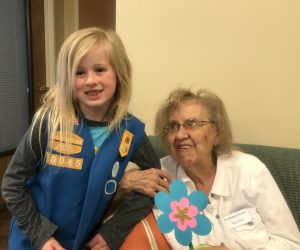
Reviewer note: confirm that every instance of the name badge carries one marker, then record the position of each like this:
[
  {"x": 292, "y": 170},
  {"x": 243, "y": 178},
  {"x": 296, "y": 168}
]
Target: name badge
[{"x": 238, "y": 218}]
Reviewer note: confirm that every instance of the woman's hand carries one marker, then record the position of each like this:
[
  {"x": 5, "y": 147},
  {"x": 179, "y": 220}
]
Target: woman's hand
[
  {"x": 52, "y": 244},
  {"x": 97, "y": 243},
  {"x": 147, "y": 182}
]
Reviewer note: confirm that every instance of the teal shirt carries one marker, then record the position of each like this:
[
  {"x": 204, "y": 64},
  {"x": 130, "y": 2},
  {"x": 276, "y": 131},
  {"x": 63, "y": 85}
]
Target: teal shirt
[{"x": 99, "y": 134}]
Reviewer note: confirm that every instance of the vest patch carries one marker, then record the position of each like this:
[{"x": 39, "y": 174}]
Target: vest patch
[
  {"x": 58, "y": 143},
  {"x": 125, "y": 143},
  {"x": 63, "y": 161}
]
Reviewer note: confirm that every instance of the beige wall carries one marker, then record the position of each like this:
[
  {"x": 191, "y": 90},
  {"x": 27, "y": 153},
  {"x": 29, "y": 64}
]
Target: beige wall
[{"x": 248, "y": 52}]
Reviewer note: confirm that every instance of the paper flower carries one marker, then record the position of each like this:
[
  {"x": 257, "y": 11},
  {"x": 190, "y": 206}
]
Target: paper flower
[{"x": 182, "y": 212}]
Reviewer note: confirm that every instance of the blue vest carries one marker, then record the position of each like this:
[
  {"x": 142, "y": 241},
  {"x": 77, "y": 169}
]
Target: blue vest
[{"x": 73, "y": 191}]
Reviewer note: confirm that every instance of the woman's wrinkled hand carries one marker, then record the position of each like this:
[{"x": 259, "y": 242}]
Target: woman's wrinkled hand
[
  {"x": 52, "y": 244},
  {"x": 147, "y": 182}
]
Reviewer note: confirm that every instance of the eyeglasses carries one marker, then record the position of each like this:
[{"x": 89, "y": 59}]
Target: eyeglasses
[{"x": 189, "y": 124}]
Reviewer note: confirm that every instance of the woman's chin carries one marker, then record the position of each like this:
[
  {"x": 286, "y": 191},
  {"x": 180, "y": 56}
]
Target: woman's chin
[{"x": 185, "y": 163}]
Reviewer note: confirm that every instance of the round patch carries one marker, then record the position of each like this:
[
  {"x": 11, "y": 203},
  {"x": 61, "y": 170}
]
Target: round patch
[
  {"x": 110, "y": 187},
  {"x": 115, "y": 169}
]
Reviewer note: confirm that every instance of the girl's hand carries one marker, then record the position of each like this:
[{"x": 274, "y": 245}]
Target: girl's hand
[
  {"x": 52, "y": 244},
  {"x": 147, "y": 182},
  {"x": 97, "y": 243}
]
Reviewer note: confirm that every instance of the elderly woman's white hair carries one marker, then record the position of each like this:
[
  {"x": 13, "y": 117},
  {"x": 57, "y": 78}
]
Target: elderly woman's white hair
[{"x": 215, "y": 107}]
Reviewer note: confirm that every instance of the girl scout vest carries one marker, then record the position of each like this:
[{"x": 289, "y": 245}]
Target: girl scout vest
[{"x": 76, "y": 186}]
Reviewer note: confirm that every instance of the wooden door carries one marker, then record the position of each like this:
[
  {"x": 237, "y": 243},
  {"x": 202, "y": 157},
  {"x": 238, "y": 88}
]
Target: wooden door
[{"x": 37, "y": 26}]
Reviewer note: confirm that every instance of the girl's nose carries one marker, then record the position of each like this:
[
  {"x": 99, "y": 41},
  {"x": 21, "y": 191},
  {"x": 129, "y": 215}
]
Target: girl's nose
[{"x": 91, "y": 78}]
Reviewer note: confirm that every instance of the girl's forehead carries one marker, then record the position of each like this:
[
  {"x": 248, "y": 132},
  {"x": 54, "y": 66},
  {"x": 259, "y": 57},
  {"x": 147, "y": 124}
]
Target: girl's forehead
[
  {"x": 97, "y": 53},
  {"x": 98, "y": 49}
]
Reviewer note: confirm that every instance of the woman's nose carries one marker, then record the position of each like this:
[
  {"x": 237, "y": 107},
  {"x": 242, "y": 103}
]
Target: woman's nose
[{"x": 181, "y": 133}]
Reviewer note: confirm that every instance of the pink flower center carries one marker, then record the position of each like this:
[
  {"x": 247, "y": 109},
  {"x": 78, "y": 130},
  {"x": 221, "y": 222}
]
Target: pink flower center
[{"x": 182, "y": 214}]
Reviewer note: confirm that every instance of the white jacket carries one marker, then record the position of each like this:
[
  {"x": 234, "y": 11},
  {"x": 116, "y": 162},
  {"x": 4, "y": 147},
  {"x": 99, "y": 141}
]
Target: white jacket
[{"x": 242, "y": 182}]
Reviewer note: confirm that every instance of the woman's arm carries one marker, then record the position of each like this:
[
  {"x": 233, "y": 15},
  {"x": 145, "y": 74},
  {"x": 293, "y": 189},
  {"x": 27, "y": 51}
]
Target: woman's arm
[
  {"x": 275, "y": 214},
  {"x": 147, "y": 182}
]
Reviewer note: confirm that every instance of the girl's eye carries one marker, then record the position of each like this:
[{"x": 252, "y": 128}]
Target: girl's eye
[
  {"x": 79, "y": 72},
  {"x": 99, "y": 70}
]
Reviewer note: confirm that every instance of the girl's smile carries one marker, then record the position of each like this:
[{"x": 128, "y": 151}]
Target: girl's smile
[{"x": 95, "y": 84}]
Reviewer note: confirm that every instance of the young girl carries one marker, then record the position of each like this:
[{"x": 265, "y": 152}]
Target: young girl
[{"x": 66, "y": 169}]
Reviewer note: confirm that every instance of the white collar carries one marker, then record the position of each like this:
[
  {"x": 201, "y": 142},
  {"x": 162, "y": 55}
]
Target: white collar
[
  {"x": 221, "y": 182},
  {"x": 220, "y": 186}
]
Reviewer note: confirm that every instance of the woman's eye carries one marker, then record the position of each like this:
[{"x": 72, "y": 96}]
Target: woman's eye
[
  {"x": 191, "y": 123},
  {"x": 173, "y": 125}
]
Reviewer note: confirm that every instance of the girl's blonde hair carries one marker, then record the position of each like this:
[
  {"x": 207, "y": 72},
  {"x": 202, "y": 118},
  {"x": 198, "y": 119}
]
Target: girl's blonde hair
[
  {"x": 60, "y": 107},
  {"x": 215, "y": 107}
]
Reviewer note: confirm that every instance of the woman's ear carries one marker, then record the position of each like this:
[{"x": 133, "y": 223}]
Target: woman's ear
[{"x": 217, "y": 139}]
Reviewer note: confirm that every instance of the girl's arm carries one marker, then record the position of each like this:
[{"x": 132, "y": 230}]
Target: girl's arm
[
  {"x": 149, "y": 181},
  {"x": 15, "y": 191},
  {"x": 133, "y": 207}
]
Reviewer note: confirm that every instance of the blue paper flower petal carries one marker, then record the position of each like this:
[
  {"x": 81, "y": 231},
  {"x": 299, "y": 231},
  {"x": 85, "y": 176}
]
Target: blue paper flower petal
[
  {"x": 164, "y": 223},
  {"x": 162, "y": 201},
  {"x": 177, "y": 190},
  {"x": 183, "y": 237},
  {"x": 198, "y": 199},
  {"x": 203, "y": 225}
]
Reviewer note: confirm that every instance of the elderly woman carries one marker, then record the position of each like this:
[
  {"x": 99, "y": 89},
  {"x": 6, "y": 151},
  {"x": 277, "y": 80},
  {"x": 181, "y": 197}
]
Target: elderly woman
[{"x": 196, "y": 129}]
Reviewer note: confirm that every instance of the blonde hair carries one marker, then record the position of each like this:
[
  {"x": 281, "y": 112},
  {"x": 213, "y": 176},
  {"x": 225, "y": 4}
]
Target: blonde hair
[
  {"x": 59, "y": 106},
  {"x": 215, "y": 107}
]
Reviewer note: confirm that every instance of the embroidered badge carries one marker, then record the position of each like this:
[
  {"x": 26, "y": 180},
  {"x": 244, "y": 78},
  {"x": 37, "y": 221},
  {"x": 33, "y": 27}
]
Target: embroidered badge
[
  {"x": 58, "y": 143},
  {"x": 125, "y": 143}
]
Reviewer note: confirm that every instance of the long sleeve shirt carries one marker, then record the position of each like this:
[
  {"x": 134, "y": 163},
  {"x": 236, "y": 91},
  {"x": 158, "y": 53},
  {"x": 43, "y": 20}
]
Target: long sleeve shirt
[
  {"x": 37, "y": 227},
  {"x": 242, "y": 185}
]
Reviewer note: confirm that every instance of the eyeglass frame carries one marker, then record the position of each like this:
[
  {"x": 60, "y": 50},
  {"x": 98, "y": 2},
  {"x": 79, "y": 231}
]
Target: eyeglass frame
[{"x": 186, "y": 125}]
